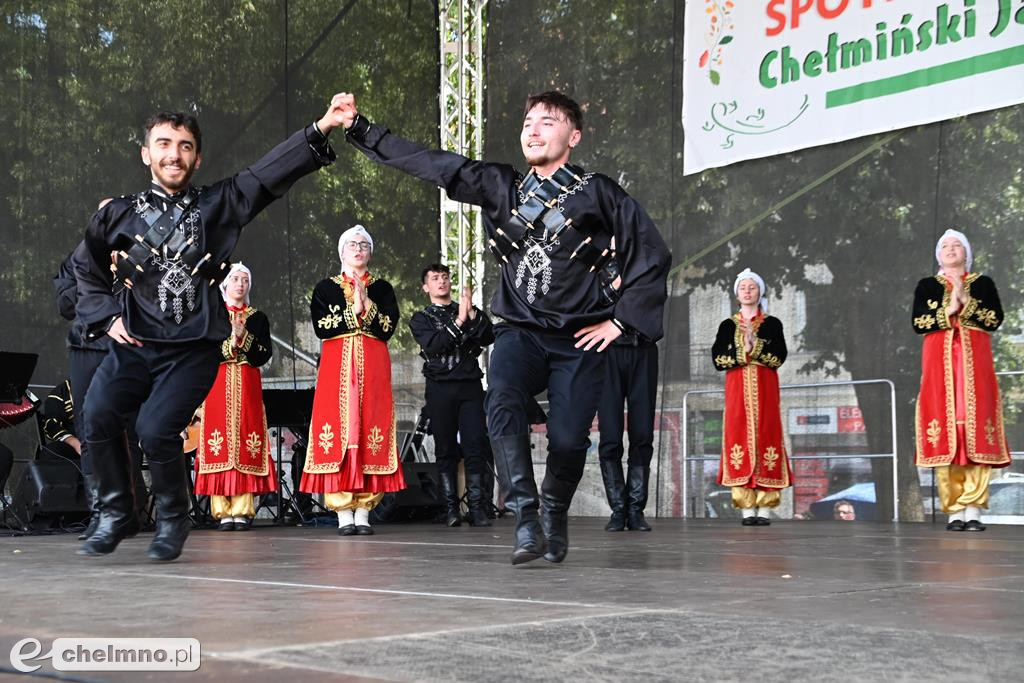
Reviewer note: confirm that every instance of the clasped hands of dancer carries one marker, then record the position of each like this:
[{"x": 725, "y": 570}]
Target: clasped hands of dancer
[{"x": 959, "y": 299}]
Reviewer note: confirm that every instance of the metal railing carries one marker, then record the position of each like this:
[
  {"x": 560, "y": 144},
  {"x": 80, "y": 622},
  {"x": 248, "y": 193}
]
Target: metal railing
[
  {"x": 844, "y": 456},
  {"x": 1010, "y": 373}
]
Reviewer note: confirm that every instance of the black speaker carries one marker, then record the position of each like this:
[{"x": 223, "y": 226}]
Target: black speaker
[
  {"x": 419, "y": 500},
  {"x": 49, "y": 488}
]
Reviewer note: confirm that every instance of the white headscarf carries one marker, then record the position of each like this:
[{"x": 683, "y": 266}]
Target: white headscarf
[
  {"x": 235, "y": 268},
  {"x": 748, "y": 274},
  {"x": 963, "y": 240},
  {"x": 349, "y": 236}
]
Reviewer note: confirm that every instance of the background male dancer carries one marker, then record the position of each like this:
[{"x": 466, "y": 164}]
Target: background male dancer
[
  {"x": 631, "y": 376},
  {"x": 84, "y": 357},
  {"x": 170, "y": 321},
  {"x": 551, "y": 231},
  {"x": 451, "y": 336}
]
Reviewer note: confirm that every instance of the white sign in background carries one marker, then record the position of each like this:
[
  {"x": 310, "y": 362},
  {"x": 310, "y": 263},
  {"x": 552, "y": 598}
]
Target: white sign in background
[{"x": 763, "y": 77}]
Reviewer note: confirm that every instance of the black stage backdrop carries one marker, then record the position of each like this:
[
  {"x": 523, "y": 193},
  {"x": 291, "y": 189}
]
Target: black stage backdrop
[{"x": 841, "y": 251}]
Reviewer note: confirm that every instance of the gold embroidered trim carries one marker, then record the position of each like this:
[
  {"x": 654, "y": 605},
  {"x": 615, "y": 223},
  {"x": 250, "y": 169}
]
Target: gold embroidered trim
[
  {"x": 369, "y": 314},
  {"x": 724, "y": 361},
  {"x": 333, "y": 319},
  {"x": 970, "y": 396},
  {"x": 771, "y": 458},
  {"x": 924, "y": 322},
  {"x": 216, "y": 442},
  {"x": 934, "y": 432},
  {"x": 739, "y": 342},
  {"x": 375, "y": 440},
  {"x": 941, "y": 316},
  {"x": 736, "y": 456}
]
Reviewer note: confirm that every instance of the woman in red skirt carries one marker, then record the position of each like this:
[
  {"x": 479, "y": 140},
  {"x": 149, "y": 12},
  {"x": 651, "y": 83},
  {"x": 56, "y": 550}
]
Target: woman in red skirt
[
  {"x": 233, "y": 460},
  {"x": 352, "y": 457},
  {"x": 959, "y": 425},
  {"x": 750, "y": 347}
]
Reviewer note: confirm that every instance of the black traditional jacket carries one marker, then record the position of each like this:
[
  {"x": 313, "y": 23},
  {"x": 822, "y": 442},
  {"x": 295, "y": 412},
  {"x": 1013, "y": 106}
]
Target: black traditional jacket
[
  {"x": 729, "y": 350},
  {"x": 450, "y": 351},
  {"x": 931, "y": 297},
  {"x": 257, "y": 345},
  {"x": 66, "y": 287},
  {"x": 164, "y": 304},
  {"x": 332, "y": 314},
  {"x": 566, "y": 296}
]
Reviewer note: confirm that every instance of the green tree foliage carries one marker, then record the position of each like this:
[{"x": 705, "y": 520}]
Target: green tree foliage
[{"x": 80, "y": 77}]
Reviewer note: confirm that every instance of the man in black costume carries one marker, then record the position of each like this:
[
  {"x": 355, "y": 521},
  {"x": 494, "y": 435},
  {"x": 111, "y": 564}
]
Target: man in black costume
[
  {"x": 551, "y": 231},
  {"x": 631, "y": 375},
  {"x": 451, "y": 337},
  {"x": 172, "y": 242},
  {"x": 84, "y": 357}
]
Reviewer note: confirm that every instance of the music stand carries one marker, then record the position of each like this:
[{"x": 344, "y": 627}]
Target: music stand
[{"x": 290, "y": 409}]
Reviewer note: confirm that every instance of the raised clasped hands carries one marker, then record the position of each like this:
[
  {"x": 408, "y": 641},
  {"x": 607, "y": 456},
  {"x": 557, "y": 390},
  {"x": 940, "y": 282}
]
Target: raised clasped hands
[
  {"x": 359, "y": 300},
  {"x": 466, "y": 311},
  {"x": 341, "y": 112}
]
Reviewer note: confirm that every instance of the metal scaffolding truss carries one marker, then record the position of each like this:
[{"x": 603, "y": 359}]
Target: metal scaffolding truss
[{"x": 461, "y": 29}]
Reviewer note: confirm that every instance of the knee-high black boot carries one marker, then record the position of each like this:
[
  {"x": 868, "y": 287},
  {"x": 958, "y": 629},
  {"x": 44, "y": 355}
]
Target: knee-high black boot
[
  {"x": 515, "y": 475},
  {"x": 555, "y": 496},
  {"x": 450, "y": 491},
  {"x": 477, "y": 500},
  {"x": 115, "y": 495},
  {"x": 170, "y": 503},
  {"x": 92, "y": 497},
  {"x": 615, "y": 490},
  {"x": 636, "y": 484}
]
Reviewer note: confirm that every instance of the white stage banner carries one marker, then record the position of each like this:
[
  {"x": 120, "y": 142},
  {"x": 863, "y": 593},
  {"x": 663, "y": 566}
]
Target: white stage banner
[{"x": 763, "y": 77}]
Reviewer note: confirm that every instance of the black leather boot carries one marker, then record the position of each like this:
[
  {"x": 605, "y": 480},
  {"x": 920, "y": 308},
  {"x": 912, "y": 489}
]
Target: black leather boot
[
  {"x": 170, "y": 506},
  {"x": 477, "y": 501},
  {"x": 636, "y": 485},
  {"x": 515, "y": 475},
  {"x": 115, "y": 496},
  {"x": 615, "y": 490},
  {"x": 92, "y": 497},
  {"x": 450, "y": 492},
  {"x": 556, "y": 495}
]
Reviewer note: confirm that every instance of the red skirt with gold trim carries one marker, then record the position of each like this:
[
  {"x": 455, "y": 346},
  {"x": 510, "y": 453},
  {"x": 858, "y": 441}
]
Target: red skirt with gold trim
[
  {"x": 233, "y": 454},
  {"x": 753, "y": 447},
  {"x": 959, "y": 416},
  {"x": 352, "y": 434}
]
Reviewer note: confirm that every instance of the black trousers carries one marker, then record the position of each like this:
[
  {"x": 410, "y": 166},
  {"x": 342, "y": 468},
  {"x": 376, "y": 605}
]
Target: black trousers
[
  {"x": 84, "y": 364},
  {"x": 456, "y": 411},
  {"x": 631, "y": 376},
  {"x": 524, "y": 363},
  {"x": 165, "y": 383}
]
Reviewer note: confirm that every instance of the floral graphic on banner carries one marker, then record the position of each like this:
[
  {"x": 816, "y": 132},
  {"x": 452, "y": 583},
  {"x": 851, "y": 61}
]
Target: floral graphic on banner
[{"x": 719, "y": 16}]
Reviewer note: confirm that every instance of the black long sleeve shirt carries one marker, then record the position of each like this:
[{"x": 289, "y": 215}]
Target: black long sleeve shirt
[
  {"x": 66, "y": 287},
  {"x": 599, "y": 208},
  {"x": 215, "y": 220},
  {"x": 450, "y": 351}
]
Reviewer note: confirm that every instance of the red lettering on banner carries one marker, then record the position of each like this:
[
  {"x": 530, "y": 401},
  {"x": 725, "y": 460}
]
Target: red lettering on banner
[
  {"x": 826, "y": 9},
  {"x": 778, "y": 16}
]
